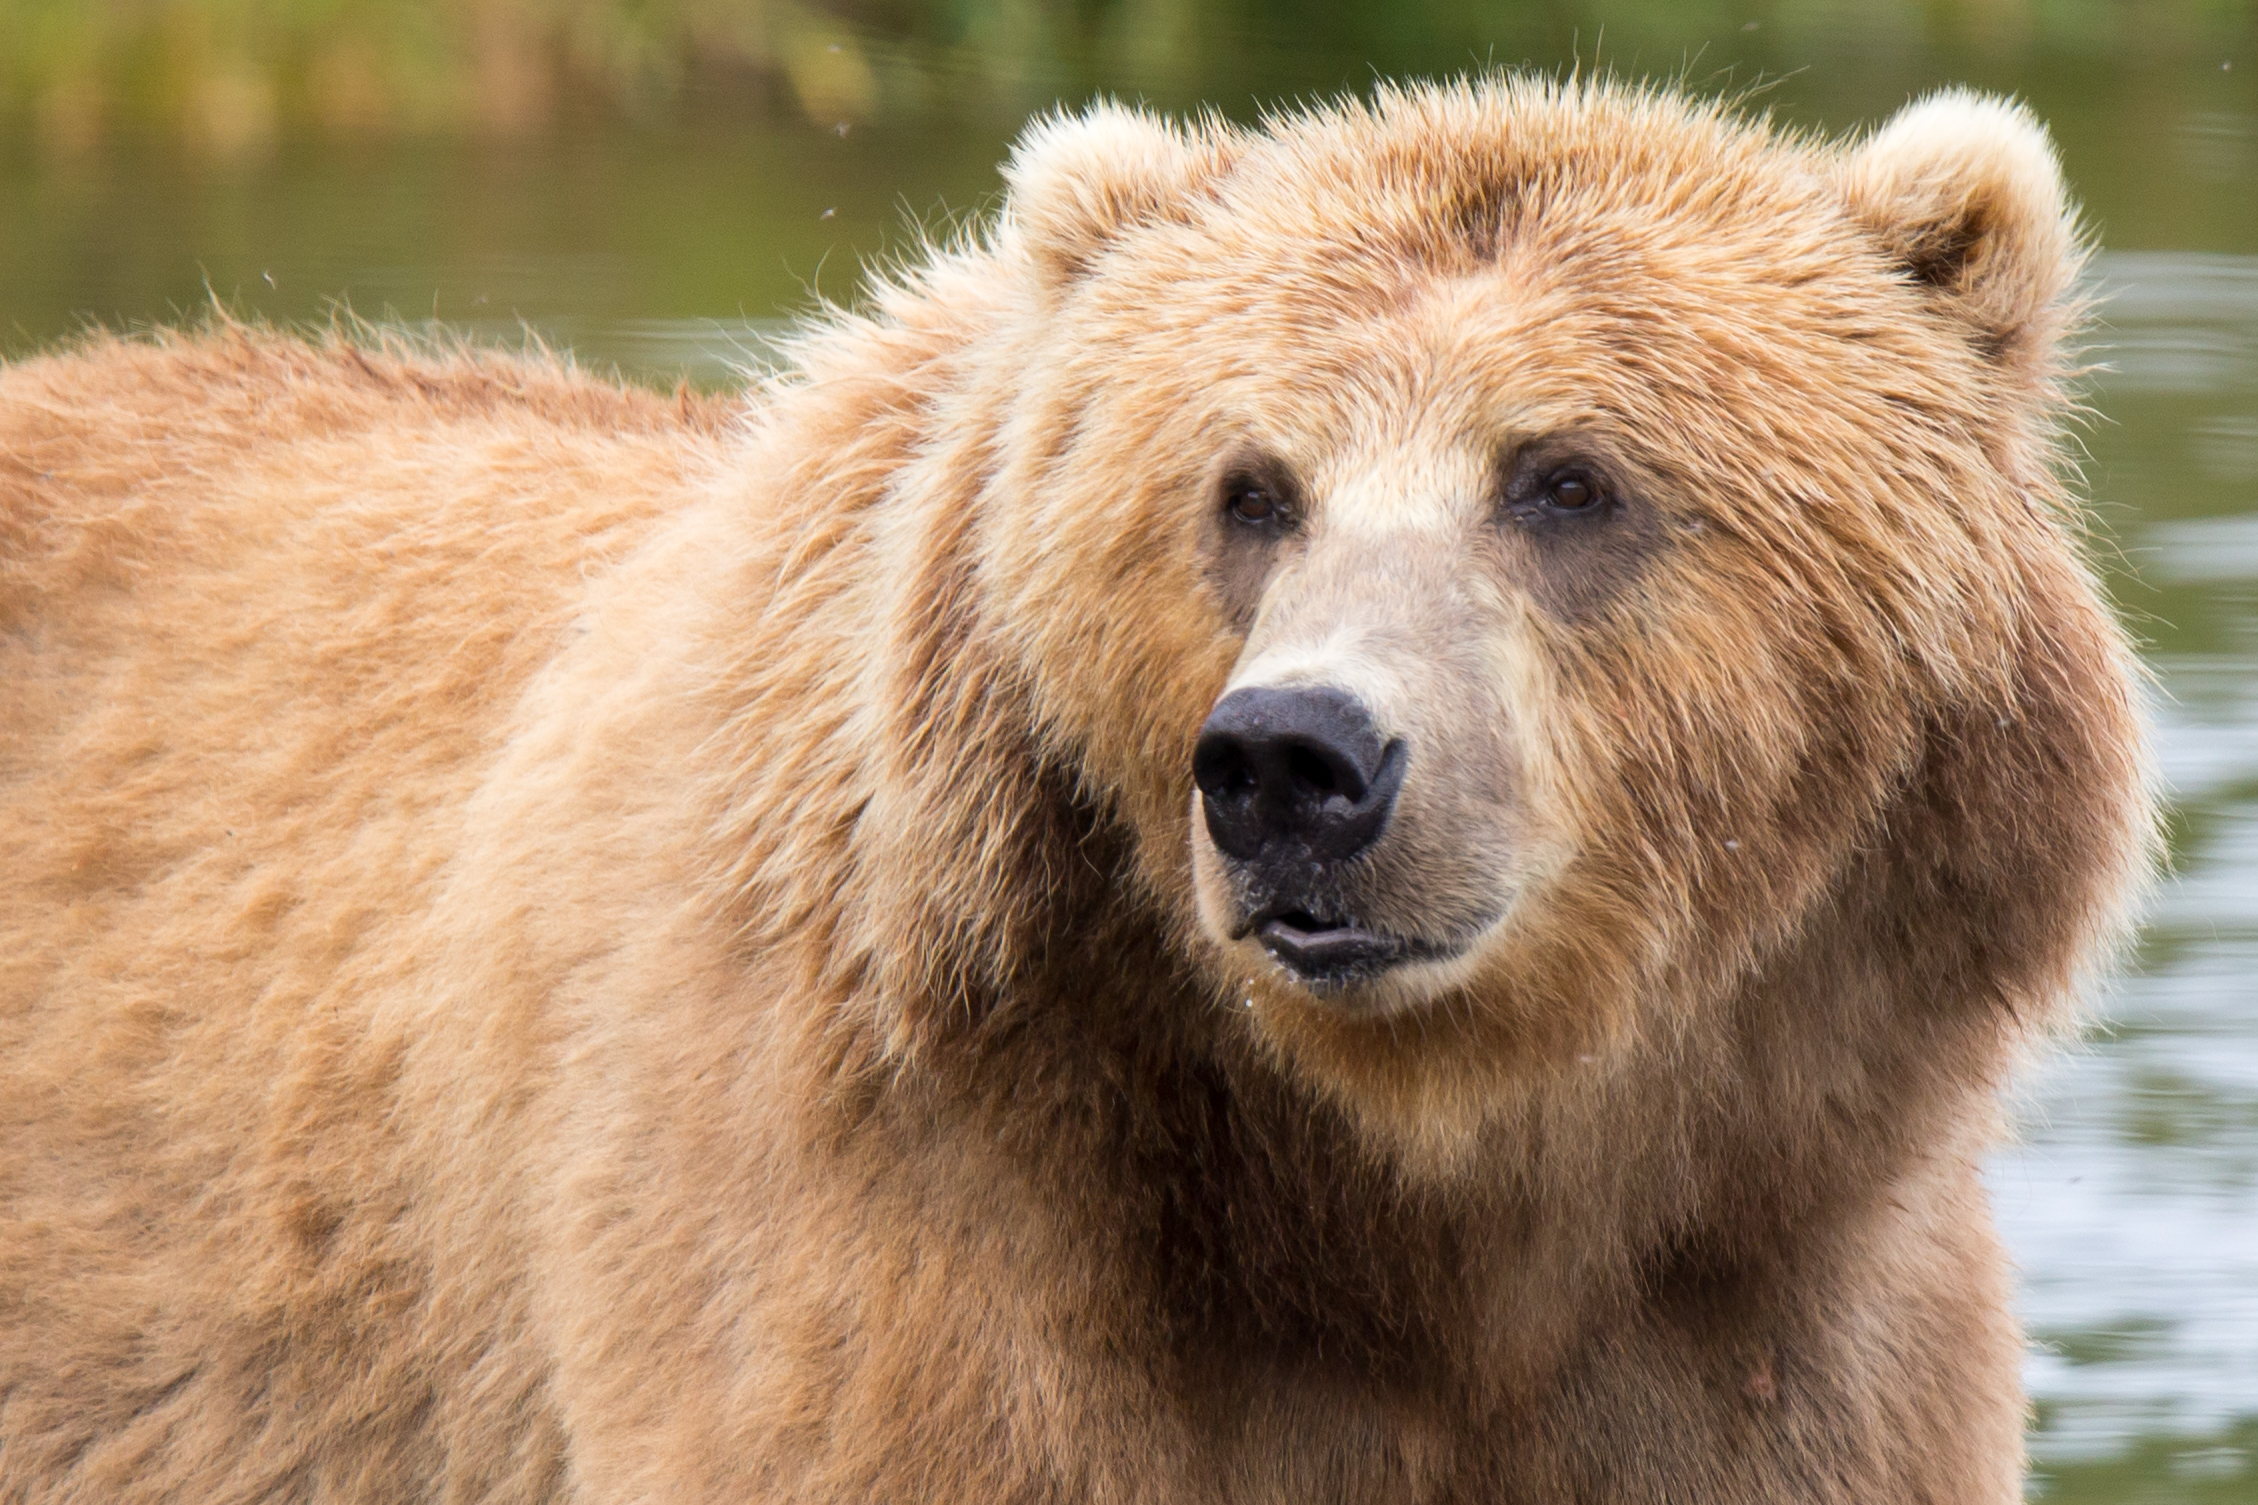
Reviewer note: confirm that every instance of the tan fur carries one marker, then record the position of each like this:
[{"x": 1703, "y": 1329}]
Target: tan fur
[{"x": 561, "y": 944}]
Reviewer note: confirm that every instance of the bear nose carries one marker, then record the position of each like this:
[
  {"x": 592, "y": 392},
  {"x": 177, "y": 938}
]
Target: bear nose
[{"x": 1295, "y": 773}]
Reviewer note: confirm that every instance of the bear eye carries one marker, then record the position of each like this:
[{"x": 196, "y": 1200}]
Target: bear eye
[
  {"x": 1259, "y": 500},
  {"x": 1572, "y": 492},
  {"x": 1549, "y": 484},
  {"x": 1253, "y": 503}
]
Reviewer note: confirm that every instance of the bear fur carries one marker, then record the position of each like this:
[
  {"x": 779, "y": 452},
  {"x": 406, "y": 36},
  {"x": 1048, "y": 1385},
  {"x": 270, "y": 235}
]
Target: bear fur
[{"x": 565, "y": 944}]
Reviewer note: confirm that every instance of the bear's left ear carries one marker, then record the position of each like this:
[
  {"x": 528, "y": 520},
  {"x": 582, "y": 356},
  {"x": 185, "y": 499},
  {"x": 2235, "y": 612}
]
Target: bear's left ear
[
  {"x": 1965, "y": 194},
  {"x": 1077, "y": 182}
]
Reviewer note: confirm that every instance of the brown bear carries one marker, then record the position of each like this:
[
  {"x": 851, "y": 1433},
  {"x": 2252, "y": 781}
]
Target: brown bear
[{"x": 1362, "y": 810}]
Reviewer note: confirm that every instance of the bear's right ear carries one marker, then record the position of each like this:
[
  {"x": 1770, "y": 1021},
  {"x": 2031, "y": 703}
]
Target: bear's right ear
[
  {"x": 1077, "y": 182},
  {"x": 1964, "y": 193}
]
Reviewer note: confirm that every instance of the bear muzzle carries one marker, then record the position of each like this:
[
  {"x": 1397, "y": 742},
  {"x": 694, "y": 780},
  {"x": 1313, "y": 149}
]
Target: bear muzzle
[{"x": 1294, "y": 783}]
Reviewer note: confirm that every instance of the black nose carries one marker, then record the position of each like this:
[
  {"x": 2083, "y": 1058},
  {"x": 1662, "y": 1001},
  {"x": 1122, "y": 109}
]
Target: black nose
[{"x": 1295, "y": 773}]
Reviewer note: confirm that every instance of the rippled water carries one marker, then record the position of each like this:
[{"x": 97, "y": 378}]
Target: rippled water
[{"x": 2131, "y": 1200}]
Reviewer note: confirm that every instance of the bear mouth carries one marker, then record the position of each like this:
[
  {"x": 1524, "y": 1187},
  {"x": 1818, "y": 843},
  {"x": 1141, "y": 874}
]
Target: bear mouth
[{"x": 1325, "y": 952}]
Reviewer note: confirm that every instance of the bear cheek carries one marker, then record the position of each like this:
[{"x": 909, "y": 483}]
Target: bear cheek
[{"x": 1120, "y": 680}]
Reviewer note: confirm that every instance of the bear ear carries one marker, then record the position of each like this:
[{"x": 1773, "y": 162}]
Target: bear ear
[
  {"x": 1965, "y": 194},
  {"x": 1076, "y": 182}
]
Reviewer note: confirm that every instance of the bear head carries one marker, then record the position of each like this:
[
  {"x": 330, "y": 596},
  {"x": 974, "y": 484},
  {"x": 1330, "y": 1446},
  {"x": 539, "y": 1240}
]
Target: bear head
[{"x": 1521, "y": 558}]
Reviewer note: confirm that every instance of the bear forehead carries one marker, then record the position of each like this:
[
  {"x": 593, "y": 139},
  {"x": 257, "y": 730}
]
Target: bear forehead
[
  {"x": 1629, "y": 222},
  {"x": 1611, "y": 182},
  {"x": 1696, "y": 350}
]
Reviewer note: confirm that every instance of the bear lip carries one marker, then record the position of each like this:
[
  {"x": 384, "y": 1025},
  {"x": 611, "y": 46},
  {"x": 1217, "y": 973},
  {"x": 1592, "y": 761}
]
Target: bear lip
[{"x": 1328, "y": 951}]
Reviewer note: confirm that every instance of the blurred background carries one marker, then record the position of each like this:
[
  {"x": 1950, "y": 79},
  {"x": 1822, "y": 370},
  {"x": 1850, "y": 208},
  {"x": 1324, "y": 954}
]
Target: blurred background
[{"x": 656, "y": 184}]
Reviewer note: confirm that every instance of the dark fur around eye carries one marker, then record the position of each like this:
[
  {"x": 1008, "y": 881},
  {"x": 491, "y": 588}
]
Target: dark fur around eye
[
  {"x": 1574, "y": 529},
  {"x": 1254, "y": 516}
]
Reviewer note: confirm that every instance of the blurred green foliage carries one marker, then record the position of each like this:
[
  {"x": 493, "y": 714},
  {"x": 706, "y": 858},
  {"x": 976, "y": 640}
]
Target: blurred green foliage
[{"x": 229, "y": 76}]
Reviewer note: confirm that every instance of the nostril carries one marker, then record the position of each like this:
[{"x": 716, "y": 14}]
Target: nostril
[
  {"x": 1307, "y": 768},
  {"x": 1221, "y": 766}
]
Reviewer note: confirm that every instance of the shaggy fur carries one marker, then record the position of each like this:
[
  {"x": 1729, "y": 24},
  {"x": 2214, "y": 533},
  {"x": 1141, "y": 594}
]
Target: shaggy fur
[{"x": 566, "y": 945}]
